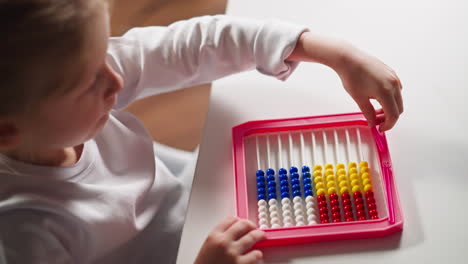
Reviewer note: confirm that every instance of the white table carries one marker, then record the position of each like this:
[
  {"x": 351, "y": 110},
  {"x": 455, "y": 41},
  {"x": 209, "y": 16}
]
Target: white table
[{"x": 426, "y": 42}]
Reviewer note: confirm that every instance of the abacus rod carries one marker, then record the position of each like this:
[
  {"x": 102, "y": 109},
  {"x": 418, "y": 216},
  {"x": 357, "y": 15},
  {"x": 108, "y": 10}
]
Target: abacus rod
[
  {"x": 258, "y": 152},
  {"x": 302, "y": 148},
  {"x": 335, "y": 135},
  {"x": 280, "y": 151},
  {"x": 325, "y": 146},
  {"x": 268, "y": 151},
  {"x": 313, "y": 148},
  {"x": 348, "y": 146},
  {"x": 359, "y": 144},
  {"x": 290, "y": 150}
]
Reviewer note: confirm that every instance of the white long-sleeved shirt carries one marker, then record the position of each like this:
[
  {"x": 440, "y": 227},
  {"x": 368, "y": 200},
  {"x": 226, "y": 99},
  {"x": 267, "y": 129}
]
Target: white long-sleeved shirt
[{"x": 123, "y": 201}]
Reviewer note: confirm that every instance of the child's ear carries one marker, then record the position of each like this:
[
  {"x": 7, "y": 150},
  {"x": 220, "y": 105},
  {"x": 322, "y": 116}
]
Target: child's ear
[{"x": 9, "y": 134}]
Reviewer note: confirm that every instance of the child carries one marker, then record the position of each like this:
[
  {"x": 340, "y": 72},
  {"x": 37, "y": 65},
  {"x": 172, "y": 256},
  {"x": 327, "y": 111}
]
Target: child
[{"x": 80, "y": 181}]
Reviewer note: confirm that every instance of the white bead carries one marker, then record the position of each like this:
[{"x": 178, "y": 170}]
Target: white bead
[
  {"x": 263, "y": 226},
  {"x": 311, "y": 218},
  {"x": 274, "y": 214},
  {"x": 312, "y": 222},
  {"x": 262, "y": 209},
  {"x": 297, "y": 199},
  {"x": 262, "y": 203},
  {"x": 275, "y": 220},
  {"x": 287, "y": 219},
  {"x": 285, "y": 201},
  {"x": 272, "y": 202},
  {"x": 309, "y": 199},
  {"x": 310, "y": 205},
  {"x": 297, "y": 206},
  {"x": 262, "y": 215},
  {"x": 275, "y": 226},
  {"x": 273, "y": 208},
  {"x": 288, "y": 224},
  {"x": 286, "y": 207},
  {"x": 300, "y": 224},
  {"x": 311, "y": 211},
  {"x": 263, "y": 221},
  {"x": 299, "y": 218},
  {"x": 298, "y": 212},
  {"x": 287, "y": 213}
]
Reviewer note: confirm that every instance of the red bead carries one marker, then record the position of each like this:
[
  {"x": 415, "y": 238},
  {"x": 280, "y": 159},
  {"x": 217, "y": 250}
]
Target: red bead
[
  {"x": 370, "y": 200},
  {"x": 361, "y": 218},
  {"x": 322, "y": 204},
  {"x": 375, "y": 217},
  {"x": 359, "y": 207},
  {"x": 371, "y": 206},
  {"x": 333, "y": 196},
  {"x": 369, "y": 194},
  {"x": 349, "y": 214},
  {"x": 324, "y": 221},
  {"x": 323, "y": 216},
  {"x": 334, "y": 202},
  {"x": 357, "y": 194},
  {"x": 321, "y": 198},
  {"x": 345, "y": 195},
  {"x": 336, "y": 216},
  {"x": 372, "y": 212},
  {"x": 323, "y": 210},
  {"x": 358, "y": 200},
  {"x": 347, "y": 208},
  {"x": 349, "y": 219},
  {"x": 337, "y": 220},
  {"x": 335, "y": 209},
  {"x": 361, "y": 213},
  {"x": 347, "y": 202}
]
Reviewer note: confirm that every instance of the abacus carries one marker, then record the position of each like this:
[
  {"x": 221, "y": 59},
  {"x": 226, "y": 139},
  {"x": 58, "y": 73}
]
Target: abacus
[{"x": 315, "y": 178}]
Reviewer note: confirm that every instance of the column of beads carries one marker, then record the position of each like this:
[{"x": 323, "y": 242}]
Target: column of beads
[
  {"x": 366, "y": 182},
  {"x": 261, "y": 197},
  {"x": 297, "y": 199},
  {"x": 321, "y": 198},
  {"x": 309, "y": 196},
  {"x": 357, "y": 194},
  {"x": 344, "y": 191},
  {"x": 330, "y": 180},
  {"x": 272, "y": 202},
  {"x": 285, "y": 198}
]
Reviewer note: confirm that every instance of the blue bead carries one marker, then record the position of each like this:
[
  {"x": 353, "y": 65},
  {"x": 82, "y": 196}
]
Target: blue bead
[
  {"x": 293, "y": 169},
  {"x": 296, "y": 193},
  {"x": 305, "y": 168},
  {"x": 294, "y": 175},
  {"x": 284, "y": 188},
  {"x": 271, "y": 196},
  {"x": 260, "y": 179},
  {"x": 285, "y": 195},
  {"x": 261, "y": 196},
  {"x": 296, "y": 187},
  {"x": 284, "y": 183},
  {"x": 260, "y": 173},
  {"x": 272, "y": 184},
  {"x": 294, "y": 181},
  {"x": 306, "y": 181},
  {"x": 307, "y": 186},
  {"x": 308, "y": 193},
  {"x": 283, "y": 177},
  {"x": 261, "y": 190},
  {"x": 306, "y": 174},
  {"x": 270, "y": 171},
  {"x": 261, "y": 185},
  {"x": 271, "y": 190},
  {"x": 282, "y": 171},
  {"x": 270, "y": 177}
]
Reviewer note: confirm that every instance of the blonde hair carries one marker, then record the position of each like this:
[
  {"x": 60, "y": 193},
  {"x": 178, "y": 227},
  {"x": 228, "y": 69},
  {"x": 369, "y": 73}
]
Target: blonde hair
[{"x": 40, "y": 42}]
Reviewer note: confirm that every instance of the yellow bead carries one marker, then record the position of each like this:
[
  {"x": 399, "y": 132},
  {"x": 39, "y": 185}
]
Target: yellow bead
[
  {"x": 363, "y": 164},
  {"x": 354, "y": 176},
  {"x": 331, "y": 190},
  {"x": 364, "y": 170},
  {"x": 367, "y": 187},
  {"x": 319, "y": 185},
  {"x": 317, "y": 168},
  {"x": 341, "y": 172},
  {"x": 344, "y": 189},
  {"x": 366, "y": 181},
  {"x": 352, "y": 165},
  {"x": 330, "y": 178},
  {"x": 320, "y": 191},
  {"x": 318, "y": 179},
  {"x": 340, "y": 166},
  {"x": 353, "y": 171},
  {"x": 329, "y": 172},
  {"x": 331, "y": 184},
  {"x": 329, "y": 167},
  {"x": 365, "y": 176},
  {"x": 356, "y": 189},
  {"x": 342, "y": 178},
  {"x": 317, "y": 174},
  {"x": 354, "y": 183},
  {"x": 343, "y": 184}
]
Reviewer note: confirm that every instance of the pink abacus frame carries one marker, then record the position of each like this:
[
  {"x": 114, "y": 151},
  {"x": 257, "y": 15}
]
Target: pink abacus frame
[{"x": 389, "y": 223}]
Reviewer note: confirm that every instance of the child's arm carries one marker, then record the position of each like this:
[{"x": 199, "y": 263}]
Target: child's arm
[
  {"x": 230, "y": 242},
  {"x": 364, "y": 77}
]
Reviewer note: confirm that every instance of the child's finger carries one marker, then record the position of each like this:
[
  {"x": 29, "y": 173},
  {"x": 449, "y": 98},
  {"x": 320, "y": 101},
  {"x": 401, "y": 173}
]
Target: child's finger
[
  {"x": 399, "y": 101},
  {"x": 239, "y": 229},
  {"x": 367, "y": 109},
  {"x": 246, "y": 242},
  {"x": 251, "y": 257},
  {"x": 391, "y": 112},
  {"x": 226, "y": 223}
]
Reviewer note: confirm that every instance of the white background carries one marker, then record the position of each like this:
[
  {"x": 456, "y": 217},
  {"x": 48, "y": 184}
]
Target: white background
[{"x": 426, "y": 42}]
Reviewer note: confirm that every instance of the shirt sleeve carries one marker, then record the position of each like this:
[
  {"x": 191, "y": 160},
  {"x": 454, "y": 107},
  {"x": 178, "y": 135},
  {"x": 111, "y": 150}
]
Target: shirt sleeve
[
  {"x": 156, "y": 60},
  {"x": 29, "y": 237}
]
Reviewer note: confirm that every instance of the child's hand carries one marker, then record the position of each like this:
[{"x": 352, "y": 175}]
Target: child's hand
[
  {"x": 364, "y": 77},
  {"x": 230, "y": 242}
]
